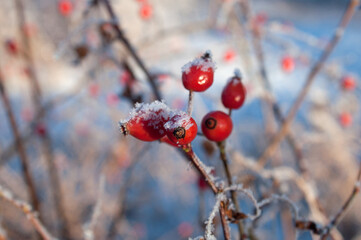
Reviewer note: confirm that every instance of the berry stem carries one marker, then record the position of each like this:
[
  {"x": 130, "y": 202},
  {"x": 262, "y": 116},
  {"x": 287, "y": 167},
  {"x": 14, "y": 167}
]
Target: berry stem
[
  {"x": 272, "y": 147},
  {"x": 230, "y": 112},
  {"x": 190, "y": 103},
  {"x": 223, "y": 156}
]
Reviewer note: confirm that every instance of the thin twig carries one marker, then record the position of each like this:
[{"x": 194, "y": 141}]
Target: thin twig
[
  {"x": 270, "y": 150},
  {"x": 88, "y": 228},
  {"x": 29, "y": 212},
  {"x": 190, "y": 102},
  {"x": 223, "y": 156},
  {"x": 19, "y": 147},
  {"x": 225, "y": 226},
  {"x": 258, "y": 48},
  {"x": 337, "y": 218},
  {"x": 46, "y": 142},
  {"x": 131, "y": 49}
]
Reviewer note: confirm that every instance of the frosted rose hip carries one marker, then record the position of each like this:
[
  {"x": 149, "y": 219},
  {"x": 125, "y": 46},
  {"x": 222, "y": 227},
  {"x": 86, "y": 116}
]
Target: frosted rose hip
[{"x": 181, "y": 129}]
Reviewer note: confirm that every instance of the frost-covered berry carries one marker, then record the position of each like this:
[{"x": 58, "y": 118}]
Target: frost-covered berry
[
  {"x": 198, "y": 74},
  {"x": 181, "y": 129},
  {"x": 217, "y": 126},
  {"x": 234, "y": 93},
  {"x": 165, "y": 139},
  {"x": 146, "y": 121}
]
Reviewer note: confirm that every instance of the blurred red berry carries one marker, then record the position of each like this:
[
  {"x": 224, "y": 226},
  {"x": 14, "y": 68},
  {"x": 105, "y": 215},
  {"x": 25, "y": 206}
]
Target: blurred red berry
[
  {"x": 112, "y": 99},
  {"x": 346, "y": 119},
  {"x": 202, "y": 184},
  {"x": 40, "y": 129},
  {"x": 93, "y": 90},
  {"x": 146, "y": 11},
  {"x": 217, "y": 126},
  {"x": 198, "y": 74},
  {"x": 12, "y": 47},
  {"x": 181, "y": 129},
  {"x": 65, "y": 7},
  {"x": 229, "y": 55},
  {"x": 185, "y": 229},
  {"x": 288, "y": 64},
  {"x": 260, "y": 18},
  {"x": 29, "y": 29},
  {"x": 146, "y": 121},
  {"x": 348, "y": 82},
  {"x": 234, "y": 93}
]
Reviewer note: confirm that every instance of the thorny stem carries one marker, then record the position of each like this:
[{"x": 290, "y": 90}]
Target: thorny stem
[
  {"x": 131, "y": 49},
  {"x": 270, "y": 150},
  {"x": 257, "y": 45},
  {"x": 19, "y": 146},
  {"x": 335, "y": 221},
  {"x": 223, "y": 156},
  {"x": 190, "y": 103},
  {"x": 45, "y": 139},
  {"x": 27, "y": 209}
]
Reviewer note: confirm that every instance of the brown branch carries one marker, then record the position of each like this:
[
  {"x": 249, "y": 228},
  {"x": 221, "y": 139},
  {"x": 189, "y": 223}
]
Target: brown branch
[
  {"x": 258, "y": 48},
  {"x": 337, "y": 218},
  {"x": 46, "y": 142},
  {"x": 270, "y": 150},
  {"x": 223, "y": 156},
  {"x": 19, "y": 146},
  {"x": 122, "y": 38},
  {"x": 28, "y": 210},
  {"x": 225, "y": 226}
]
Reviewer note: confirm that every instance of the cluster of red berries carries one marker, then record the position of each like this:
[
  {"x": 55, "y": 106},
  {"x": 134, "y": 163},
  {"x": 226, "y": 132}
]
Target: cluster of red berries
[{"x": 156, "y": 121}]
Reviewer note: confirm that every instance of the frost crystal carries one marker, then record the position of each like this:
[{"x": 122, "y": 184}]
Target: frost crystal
[
  {"x": 155, "y": 111},
  {"x": 203, "y": 64},
  {"x": 178, "y": 118}
]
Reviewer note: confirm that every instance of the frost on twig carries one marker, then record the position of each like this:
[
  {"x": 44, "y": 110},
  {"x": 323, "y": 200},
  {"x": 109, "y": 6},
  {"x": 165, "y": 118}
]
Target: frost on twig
[
  {"x": 88, "y": 228},
  {"x": 3, "y": 235},
  {"x": 209, "y": 223},
  {"x": 32, "y": 216}
]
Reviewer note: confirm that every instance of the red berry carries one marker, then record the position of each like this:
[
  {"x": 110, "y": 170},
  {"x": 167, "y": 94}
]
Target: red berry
[
  {"x": 65, "y": 7},
  {"x": 198, "y": 74},
  {"x": 165, "y": 139},
  {"x": 348, "y": 82},
  {"x": 202, "y": 184},
  {"x": 41, "y": 129},
  {"x": 146, "y": 121},
  {"x": 185, "y": 229},
  {"x": 346, "y": 119},
  {"x": 181, "y": 129},
  {"x": 234, "y": 93},
  {"x": 229, "y": 55},
  {"x": 112, "y": 99},
  {"x": 288, "y": 64},
  {"x": 146, "y": 11},
  {"x": 12, "y": 47},
  {"x": 217, "y": 126},
  {"x": 93, "y": 89}
]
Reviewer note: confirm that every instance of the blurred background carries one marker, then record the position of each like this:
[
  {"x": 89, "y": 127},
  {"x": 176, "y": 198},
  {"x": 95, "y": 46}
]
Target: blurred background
[{"x": 68, "y": 80}]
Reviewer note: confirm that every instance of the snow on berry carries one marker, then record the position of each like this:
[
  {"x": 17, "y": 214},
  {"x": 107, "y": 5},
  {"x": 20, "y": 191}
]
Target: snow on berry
[
  {"x": 181, "y": 128},
  {"x": 146, "y": 121},
  {"x": 201, "y": 63},
  {"x": 197, "y": 75}
]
